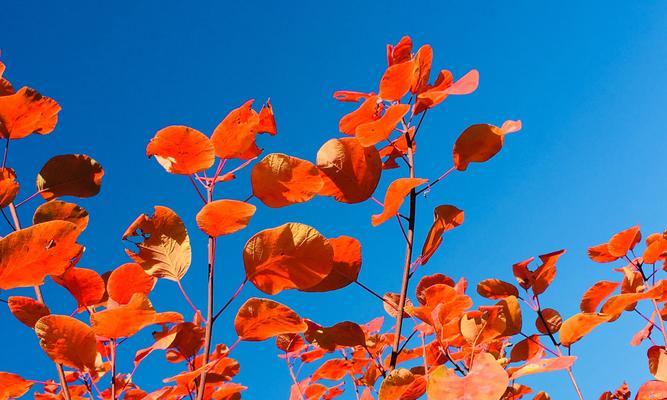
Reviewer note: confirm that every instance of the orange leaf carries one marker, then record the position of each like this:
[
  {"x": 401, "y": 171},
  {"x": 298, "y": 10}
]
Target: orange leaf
[
  {"x": 13, "y": 386},
  {"x": 261, "y": 319},
  {"x": 600, "y": 253},
  {"x": 487, "y": 380},
  {"x": 280, "y": 180},
  {"x": 224, "y": 217},
  {"x": 27, "y": 310},
  {"x": 368, "y": 111},
  {"x": 394, "y": 197},
  {"x": 235, "y": 136},
  {"x": 543, "y": 276},
  {"x": 181, "y": 150},
  {"x": 9, "y": 186},
  {"x": 496, "y": 289},
  {"x": 398, "y": 79},
  {"x": 444, "y": 86},
  {"x": 544, "y": 365},
  {"x": 57, "y": 210},
  {"x": 28, "y": 255},
  {"x": 290, "y": 256},
  {"x": 553, "y": 321},
  {"x": 526, "y": 349},
  {"x": 624, "y": 241},
  {"x": 228, "y": 391},
  {"x": 128, "y": 319},
  {"x": 478, "y": 143},
  {"x": 267, "y": 121},
  {"x": 580, "y": 325},
  {"x": 26, "y": 112},
  {"x": 126, "y": 280},
  {"x": 595, "y": 294},
  {"x": 350, "y": 96},
  {"x": 652, "y": 390},
  {"x": 84, "y": 284},
  {"x": 445, "y": 218},
  {"x": 67, "y": 341},
  {"x": 346, "y": 265},
  {"x": 655, "y": 250},
  {"x": 615, "y": 305},
  {"x": 423, "y": 61},
  {"x": 350, "y": 171},
  {"x": 165, "y": 251},
  {"x": 70, "y": 175},
  {"x": 334, "y": 369},
  {"x": 428, "y": 281},
  {"x": 396, "y": 384},
  {"x": 657, "y": 362},
  {"x": 402, "y": 51},
  {"x": 371, "y": 133},
  {"x": 342, "y": 334}
]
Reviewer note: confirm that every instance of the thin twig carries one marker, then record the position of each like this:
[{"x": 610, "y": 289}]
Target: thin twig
[
  {"x": 231, "y": 299},
  {"x": 187, "y": 298}
]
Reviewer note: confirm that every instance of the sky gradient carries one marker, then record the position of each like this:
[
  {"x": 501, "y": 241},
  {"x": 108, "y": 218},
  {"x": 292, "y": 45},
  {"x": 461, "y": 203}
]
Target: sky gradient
[{"x": 587, "y": 80}]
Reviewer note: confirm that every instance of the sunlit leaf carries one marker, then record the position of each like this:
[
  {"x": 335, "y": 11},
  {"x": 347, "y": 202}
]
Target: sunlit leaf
[
  {"x": 280, "y": 180},
  {"x": 346, "y": 265},
  {"x": 26, "y": 112},
  {"x": 164, "y": 251},
  {"x": 128, "y": 319},
  {"x": 496, "y": 289},
  {"x": 261, "y": 319},
  {"x": 27, "y": 256},
  {"x": 224, "y": 217},
  {"x": 126, "y": 280},
  {"x": 84, "y": 284},
  {"x": 580, "y": 325},
  {"x": 445, "y": 218},
  {"x": 13, "y": 386},
  {"x": 486, "y": 380},
  {"x": 67, "y": 341},
  {"x": 478, "y": 143},
  {"x": 9, "y": 186},
  {"x": 595, "y": 294},
  {"x": 235, "y": 136},
  {"x": 181, "y": 150},
  {"x": 394, "y": 197},
  {"x": 371, "y": 133},
  {"x": 395, "y": 384},
  {"x": 290, "y": 256},
  {"x": 350, "y": 171},
  {"x": 27, "y": 310}
]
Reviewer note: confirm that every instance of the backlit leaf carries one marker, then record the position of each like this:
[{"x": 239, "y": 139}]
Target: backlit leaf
[
  {"x": 280, "y": 180},
  {"x": 395, "y": 384},
  {"x": 26, "y": 112},
  {"x": 445, "y": 218},
  {"x": 27, "y": 310},
  {"x": 127, "y": 319},
  {"x": 181, "y": 150},
  {"x": 595, "y": 294},
  {"x": 261, "y": 319},
  {"x": 235, "y": 136},
  {"x": 371, "y": 133},
  {"x": 580, "y": 325},
  {"x": 496, "y": 289},
  {"x": 394, "y": 197},
  {"x": 67, "y": 341},
  {"x": 350, "y": 171},
  {"x": 126, "y": 280},
  {"x": 9, "y": 186},
  {"x": 346, "y": 265},
  {"x": 478, "y": 143},
  {"x": 397, "y": 80},
  {"x": 290, "y": 256},
  {"x": 224, "y": 217},
  {"x": 28, "y": 255},
  {"x": 487, "y": 380},
  {"x": 84, "y": 284}
]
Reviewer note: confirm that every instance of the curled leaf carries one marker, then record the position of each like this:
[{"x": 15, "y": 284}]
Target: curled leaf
[
  {"x": 373, "y": 132},
  {"x": 165, "y": 250},
  {"x": 445, "y": 218},
  {"x": 235, "y": 136},
  {"x": 478, "y": 143},
  {"x": 394, "y": 197},
  {"x": 9, "y": 186}
]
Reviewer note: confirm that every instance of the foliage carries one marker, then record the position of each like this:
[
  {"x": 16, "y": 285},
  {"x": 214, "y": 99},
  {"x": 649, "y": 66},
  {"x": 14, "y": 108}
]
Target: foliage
[{"x": 438, "y": 344}]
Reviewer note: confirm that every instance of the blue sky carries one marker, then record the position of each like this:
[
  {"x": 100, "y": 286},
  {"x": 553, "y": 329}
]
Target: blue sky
[{"x": 586, "y": 78}]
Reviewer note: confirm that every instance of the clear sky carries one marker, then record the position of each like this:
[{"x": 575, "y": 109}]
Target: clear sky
[{"x": 586, "y": 78}]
